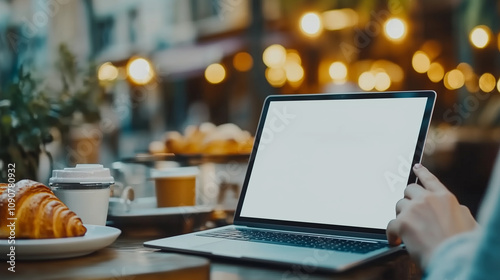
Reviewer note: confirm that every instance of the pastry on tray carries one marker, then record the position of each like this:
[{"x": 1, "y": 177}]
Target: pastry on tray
[{"x": 207, "y": 139}]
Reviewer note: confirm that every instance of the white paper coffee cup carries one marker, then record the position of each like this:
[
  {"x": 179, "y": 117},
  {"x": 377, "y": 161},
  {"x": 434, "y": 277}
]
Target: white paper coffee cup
[{"x": 85, "y": 189}]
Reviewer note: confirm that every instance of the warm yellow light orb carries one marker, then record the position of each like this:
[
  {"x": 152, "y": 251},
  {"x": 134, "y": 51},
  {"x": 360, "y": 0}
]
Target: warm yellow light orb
[
  {"x": 338, "y": 71},
  {"x": 140, "y": 71},
  {"x": 467, "y": 70},
  {"x": 293, "y": 56},
  {"x": 498, "y": 41},
  {"x": 394, "y": 71},
  {"x": 435, "y": 72},
  {"x": 107, "y": 72},
  {"x": 480, "y": 36},
  {"x": 382, "y": 81},
  {"x": 276, "y": 76},
  {"x": 420, "y": 62},
  {"x": 242, "y": 61},
  {"x": 487, "y": 82},
  {"x": 310, "y": 24},
  {"x": 498, "y": 85},
  {"x": 395, "y": 29},
  {"x": 215, "y": 73},
  {"x": 366, "y": 81},
  {"x": 274, "y": 56},
  {"x": 339, "y": 19},
  {"x": 294, "y": 72},
  {"x": 454, "y": 79}
]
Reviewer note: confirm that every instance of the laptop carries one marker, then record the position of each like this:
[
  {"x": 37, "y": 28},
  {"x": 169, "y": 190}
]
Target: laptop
[{"x": 322, "y": 181}]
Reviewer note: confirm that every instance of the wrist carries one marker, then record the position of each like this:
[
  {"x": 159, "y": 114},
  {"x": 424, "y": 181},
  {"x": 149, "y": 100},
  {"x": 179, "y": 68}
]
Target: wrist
[{"x": 444, "y": 249}]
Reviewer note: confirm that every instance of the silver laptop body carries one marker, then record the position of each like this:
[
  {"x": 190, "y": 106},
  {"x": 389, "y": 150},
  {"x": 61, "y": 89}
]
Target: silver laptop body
[{"x": 327, "y": 169}]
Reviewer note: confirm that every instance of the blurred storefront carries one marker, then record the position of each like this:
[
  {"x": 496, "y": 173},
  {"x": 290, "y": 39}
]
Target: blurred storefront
[{"x": 165, "y": 65}]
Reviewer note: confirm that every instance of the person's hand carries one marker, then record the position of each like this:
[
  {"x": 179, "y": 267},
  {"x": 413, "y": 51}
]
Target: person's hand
[{"x": 426, "y": 216}]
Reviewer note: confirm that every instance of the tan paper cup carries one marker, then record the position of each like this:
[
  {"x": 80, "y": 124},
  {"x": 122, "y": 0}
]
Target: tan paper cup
[{"x": 175, "y": 186}]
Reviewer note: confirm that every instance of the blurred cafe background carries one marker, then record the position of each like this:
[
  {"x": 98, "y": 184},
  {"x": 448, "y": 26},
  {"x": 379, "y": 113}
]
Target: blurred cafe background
[{"x": 123, "y": 82}]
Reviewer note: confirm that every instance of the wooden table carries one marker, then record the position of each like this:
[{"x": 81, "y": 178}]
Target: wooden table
[
  {"x": 394, "y": 267},
  {"x": 128, "y": 259},
  {"x": 397, "y": 267},
  {"x": 124, "y": 259}
]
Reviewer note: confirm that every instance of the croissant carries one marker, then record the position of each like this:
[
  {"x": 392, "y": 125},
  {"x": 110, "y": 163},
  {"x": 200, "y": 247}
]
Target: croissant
[{"x": 39, "y": 213}]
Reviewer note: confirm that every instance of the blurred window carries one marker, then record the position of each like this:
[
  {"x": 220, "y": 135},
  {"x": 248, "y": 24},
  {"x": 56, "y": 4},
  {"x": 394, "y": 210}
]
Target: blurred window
[
  {"x": 203, "y": 9},
  {"x": 104, "y": 32},
  {"x": 132, "y": 28}
]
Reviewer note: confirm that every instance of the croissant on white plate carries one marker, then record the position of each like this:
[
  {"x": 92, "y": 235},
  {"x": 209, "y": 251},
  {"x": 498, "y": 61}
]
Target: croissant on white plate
[{"x": 38, "y": 212}]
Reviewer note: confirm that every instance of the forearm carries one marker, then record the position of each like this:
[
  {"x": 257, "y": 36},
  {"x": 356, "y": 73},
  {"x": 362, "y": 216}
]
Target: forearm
[{"x": 452, "y": 259}]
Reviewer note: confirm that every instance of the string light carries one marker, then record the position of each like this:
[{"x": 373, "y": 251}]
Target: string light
[
  {"x": 215, "y": 73},
  {"x": 487, "y": 82},
  {"x": 293, "y": 71},
  {"x": 310, "y": 24},
  {"x": 366, "y": 81},
  {"x": 420, "y": 62},
  {"x": 140, "y": 71},
  {"x": 107, "y": 72},
  {"x": 395, "y": 29},
  {"x": 382, "y": 81},
  {"x": 276, "y": 76},
  {"x": 274, "y": 56},
  {"x": 338, "y": 72},
  {"x": 454, "y": 79},
  {"x": 480, "y": 36},
  {"x": 339, "y": 19},
  {"x": 242, "y": 61},
  {"x": 435, "y": 72},
  {"x": 498, "y": 85}
]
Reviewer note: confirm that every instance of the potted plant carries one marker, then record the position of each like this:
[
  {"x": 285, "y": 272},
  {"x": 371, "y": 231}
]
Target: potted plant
[{"x": 30, "y": 111}]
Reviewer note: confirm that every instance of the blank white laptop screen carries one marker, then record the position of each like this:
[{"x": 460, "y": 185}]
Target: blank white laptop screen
[{"x": 338, "y": 162}]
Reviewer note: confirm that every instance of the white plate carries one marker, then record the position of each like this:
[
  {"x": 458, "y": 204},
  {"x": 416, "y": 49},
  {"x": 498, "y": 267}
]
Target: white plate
[{"x": 96, "y": 237}]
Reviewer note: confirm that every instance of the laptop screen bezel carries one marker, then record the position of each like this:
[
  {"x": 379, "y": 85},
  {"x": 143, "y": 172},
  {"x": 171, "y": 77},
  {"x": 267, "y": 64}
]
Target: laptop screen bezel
[{"x": 277, "y": 224}]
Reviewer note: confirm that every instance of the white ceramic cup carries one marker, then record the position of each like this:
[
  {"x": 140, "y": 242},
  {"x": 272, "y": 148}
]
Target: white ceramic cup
[{"x": 85, "y": 189}]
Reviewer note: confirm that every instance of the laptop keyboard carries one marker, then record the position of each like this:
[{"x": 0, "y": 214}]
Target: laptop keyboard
[{"x": 292, "y": 239}]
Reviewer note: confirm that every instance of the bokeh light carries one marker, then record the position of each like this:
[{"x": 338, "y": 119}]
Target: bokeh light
[
  {"x": 498, "y": 41},
  {"x": 215, "y": 73},
  {"x": 382, "y": 81},
  {"x": 310, "y": 24},
  {"x": 107, "y": 72},
  {"x": 140, "y": 71},
  {"x": 274, "y": 56},
  {"x": 467, "y": 70},
  {"x": 395, "y": 29},
  {"x": 394, "y": 71},
  {"x": 293, "y": 55},
  {"x": 432, "y": 48},
  {"x": 480, "y": 36},
  {"x": 487, "y": 82},
  {"x": 472, "y": 84},
  {"x": 293, "y": 71},
  {"x": 454, "y": 79},
  {"x": 435, "y": 72},
  {"x": 366, "y": 81},
  {"x": 339, "y": 19},
  {"x": 498, "y": 85},
  {"x": 276, "y": 77},
  {"x": 338, "y": 72},
  {"x": 242, "y": 61},
  {"x": 420, "y": 62}
]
